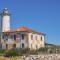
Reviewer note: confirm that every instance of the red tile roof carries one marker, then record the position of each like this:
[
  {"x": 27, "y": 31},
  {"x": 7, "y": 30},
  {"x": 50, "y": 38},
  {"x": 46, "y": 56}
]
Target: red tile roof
[{"x": 23, "y": 29}]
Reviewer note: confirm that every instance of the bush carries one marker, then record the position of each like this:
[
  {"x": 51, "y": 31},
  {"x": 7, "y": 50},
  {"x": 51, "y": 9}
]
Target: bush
[
  {"x": 24, "y": 51},
  {"x": 2, "y": 51},
  {"x": 10, "y": 53},
  {"x": 16, "y": 52},
  {"x": 27, "y": 51},
  {"x": 43, "y": 50}
]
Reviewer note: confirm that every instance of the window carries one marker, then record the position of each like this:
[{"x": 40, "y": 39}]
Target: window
[
  {"x": 41, "y": 38},
  {"x": 5, "y": 37},
  {"x": 0, "y": 45},
  {"x": 36, "y": 46},
  {"x": 6, "y": 46},
  {"x": 31, "y": 45},
  {"x": 14, "y": 46},
  {"x": 22, "y": 36},
  {"x": 36, "y": 37},
  {"x": 14, "y": 37},
  {"x": 31, "y": 37},
  {"x": 22, "y": 45}
]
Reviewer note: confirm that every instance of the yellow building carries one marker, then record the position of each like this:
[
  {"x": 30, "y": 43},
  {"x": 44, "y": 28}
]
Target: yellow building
[{"x": 22, "y": 37}]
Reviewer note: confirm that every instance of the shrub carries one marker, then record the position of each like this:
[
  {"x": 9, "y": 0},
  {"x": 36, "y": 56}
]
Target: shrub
[
  {"x": 17, "y": 52},
  {"x": 2, "y": 51},
  {"x": 23, "y": 51},
  {"x": 43, "y": 50},
  {"x": 9, "y": 53}
]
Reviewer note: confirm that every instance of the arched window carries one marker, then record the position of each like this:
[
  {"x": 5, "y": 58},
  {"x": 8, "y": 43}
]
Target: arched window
[
  {"x": 14, "y": 37},
  {"x": 36, "y": 37},
  {"x": 36, "y": 47},
  {"x": 5, "y": 37},
  {"x": 6, "y": 46},
  {"x": 31, "y": 45},
  {"x": 22, "y": 36},
  {"x": 14, "y": 46},
  {"x": 0, "y": 45},
  {"x": 22, "y": 45},
  {"x": 0, "y": 37},
  {"x": 41, "y": 38},
  {"x": 31, "y": 37}
]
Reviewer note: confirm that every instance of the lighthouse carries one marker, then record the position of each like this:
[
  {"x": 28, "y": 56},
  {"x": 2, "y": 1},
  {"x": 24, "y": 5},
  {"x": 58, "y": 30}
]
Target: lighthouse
[{"x": 5, "y": 20}]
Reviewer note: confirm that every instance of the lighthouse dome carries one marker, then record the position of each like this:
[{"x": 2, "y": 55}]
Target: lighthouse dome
[{"x": 5, "y": 11}]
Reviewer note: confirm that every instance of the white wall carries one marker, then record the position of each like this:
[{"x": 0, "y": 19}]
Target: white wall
[
  {"x": 5, "y": 23},
  {"x": 35, "y": 42},
  {"x": 27, "y": 41}
]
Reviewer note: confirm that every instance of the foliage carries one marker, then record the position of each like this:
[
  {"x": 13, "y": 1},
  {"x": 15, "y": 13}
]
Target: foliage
[
  {"x": 11, "y": 53},
  {"x": 16, "y": 52},
  {"x": 2, "y": 51},
  {"x": 27, "y": 51}
]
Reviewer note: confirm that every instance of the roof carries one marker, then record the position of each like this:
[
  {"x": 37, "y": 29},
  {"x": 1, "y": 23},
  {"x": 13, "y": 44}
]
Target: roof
[{"x": 21, "y": 29}]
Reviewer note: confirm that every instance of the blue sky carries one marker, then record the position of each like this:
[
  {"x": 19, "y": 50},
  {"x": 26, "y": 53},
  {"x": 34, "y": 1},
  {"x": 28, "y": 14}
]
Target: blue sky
[{"x": 40, "y": 15}]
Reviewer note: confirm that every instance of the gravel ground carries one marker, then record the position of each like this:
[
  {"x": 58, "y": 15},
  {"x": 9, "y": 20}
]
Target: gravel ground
[
  {"x": 34, "y": 57},
  {"x": 44, "y": 57}
]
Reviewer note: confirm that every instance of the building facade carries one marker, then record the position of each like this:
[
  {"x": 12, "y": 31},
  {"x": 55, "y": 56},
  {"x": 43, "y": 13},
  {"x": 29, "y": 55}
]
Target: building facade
[{"x": 22, "y": 37}]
